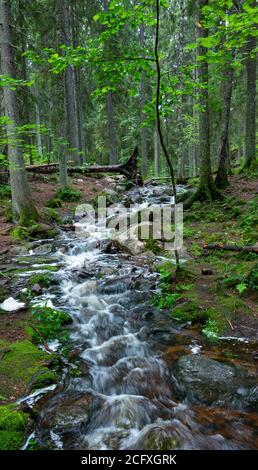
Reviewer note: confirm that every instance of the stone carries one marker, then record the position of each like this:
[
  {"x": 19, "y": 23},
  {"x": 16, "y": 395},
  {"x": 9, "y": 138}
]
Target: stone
[{"x": 199, "y": 379}]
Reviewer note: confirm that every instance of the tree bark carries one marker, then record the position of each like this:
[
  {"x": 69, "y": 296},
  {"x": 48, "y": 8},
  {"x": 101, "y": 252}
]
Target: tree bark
[
  {"x": 221, "y": 179},
  {"x": 144, "y": 145},
  {"x": 111, "y": 130},
  {"x": 62, "y": 109},
  {"x": 128, "y": 169},
  {"x": 181, "y": 150},
  {"x": 77, "y": 90},
  {"x": 69, "y": 91},
  {"x": 250, "y": 139},
  {"x": 207, "y": 190},
  {"x": 243, "y": 249},
  {"x": 156, "y": 151},
  {"x": 22, "y": 203}
]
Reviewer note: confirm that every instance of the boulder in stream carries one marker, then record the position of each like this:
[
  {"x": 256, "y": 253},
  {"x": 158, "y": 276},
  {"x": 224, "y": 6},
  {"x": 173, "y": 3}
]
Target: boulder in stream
[{"x": 199, "y": 379}]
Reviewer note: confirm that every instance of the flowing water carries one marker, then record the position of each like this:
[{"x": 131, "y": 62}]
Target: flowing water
[{"x": 124, "y": 396}]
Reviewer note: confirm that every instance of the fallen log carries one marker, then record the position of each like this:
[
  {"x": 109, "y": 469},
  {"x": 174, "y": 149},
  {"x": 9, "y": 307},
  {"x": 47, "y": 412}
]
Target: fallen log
[
  {"x": 221, "y": 246},
  {"x": 129, "y": 169}
]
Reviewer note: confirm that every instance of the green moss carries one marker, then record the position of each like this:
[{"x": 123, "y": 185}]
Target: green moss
[
  {"x": 11, "y": 440},
  {"x": 33, "y": 232},
  {"x": 28, "y": 216},
  {"x": 43, "y": 279},
  {"x": 19, "y": 365},
  {"x": 43, "y": 378},
  {"x": 13, "y": 426},
  {"x": 11, "y": 419}
]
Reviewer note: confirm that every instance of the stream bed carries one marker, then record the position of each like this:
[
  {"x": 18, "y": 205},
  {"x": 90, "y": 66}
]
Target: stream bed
[{"x": 144, "y": 381}]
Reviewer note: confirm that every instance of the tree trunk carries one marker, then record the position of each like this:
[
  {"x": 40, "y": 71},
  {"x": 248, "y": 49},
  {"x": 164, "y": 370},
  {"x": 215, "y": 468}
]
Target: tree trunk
[
  {"x": 69, "y": 91},
  {"x": 78, "y": 91},
  {"x": 144, "y": 145},
  {"x": 181, "y": 149},
  {"x": 62, "y": 110},
  {"x": 38, "y": 122},
  {"x": 221, "y": 179},
  {"x": 111, "y": 130},
  {"x": 207, "y": 190},
  {"x": 250, "y": 138},
  {"x": 156, "y": 151},
  {"x": 22, "y": 203},
  {"x": 129, "y": 169}
]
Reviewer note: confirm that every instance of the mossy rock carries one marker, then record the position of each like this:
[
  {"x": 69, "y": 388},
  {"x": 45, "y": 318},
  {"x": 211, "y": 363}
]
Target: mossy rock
[
  {"x": 43, "y": 279},
  {"x": 33, "y": 232},
  {"x": 43, "y": 378},
  {"x": 19, "y": 366},
  {"x": 13, "y": 425}
]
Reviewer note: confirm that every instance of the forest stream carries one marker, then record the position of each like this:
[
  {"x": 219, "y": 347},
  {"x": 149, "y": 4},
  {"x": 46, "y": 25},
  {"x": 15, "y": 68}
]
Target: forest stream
[{"x": 145, "y": 381}]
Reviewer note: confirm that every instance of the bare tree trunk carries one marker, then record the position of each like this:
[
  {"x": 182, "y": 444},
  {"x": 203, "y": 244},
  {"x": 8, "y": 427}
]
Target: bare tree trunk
[
  {"x": 156, "y": 151},
  {"x": 78, "y": 93},
  {"x": 111, "y": 130},
  {"x": 38, "y": 122},
  {"x": 144, "y": 145},
  {"x": 207, "y": 189},
  {"x": 221, "y": 180},
  {"x": 22, "y": 202},
  {"x": 250, "y": 138},
  {"x": 62, "y": 111},
  {"x": 181, "y": 149},
  {"x": 69, "y": 91}
]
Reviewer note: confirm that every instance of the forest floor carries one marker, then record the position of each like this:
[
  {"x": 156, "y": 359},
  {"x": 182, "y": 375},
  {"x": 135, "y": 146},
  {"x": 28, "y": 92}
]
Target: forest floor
[{"x": 215, "y": 288}]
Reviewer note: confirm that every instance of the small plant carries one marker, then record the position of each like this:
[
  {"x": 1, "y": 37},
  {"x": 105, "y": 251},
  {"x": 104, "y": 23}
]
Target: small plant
[
  {"x": 166, "y": 300},
  {"x": 69, "y": 195},
  {"x": 241, "y": 288},
  {"x": 5, "y": 191},
  {"x": 51, "y": 214},
  {"x": 211, "y": 330},
  {"x": 54, "y": 203},
  {"x": 49, "y": 324}
]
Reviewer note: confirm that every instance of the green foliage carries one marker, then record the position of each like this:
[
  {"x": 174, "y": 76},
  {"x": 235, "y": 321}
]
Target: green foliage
[
  {"x": 32, "y": 232},
  {"x": 153, "y": 246},
  {"x": 43, "y": 279},
  {"x": 69, "y": 195},
  {"x": 211, "y": 330},
  {"x": 51, "y": 215},
  {"x": 249, "y": 222},
  {"x": 49, "y": 324},
  {"x": 54, "y": 203},
  {"x": 5, "y": 191},
  {"x": 8, "y": 213},
  {"x": 19, "y": 366}
]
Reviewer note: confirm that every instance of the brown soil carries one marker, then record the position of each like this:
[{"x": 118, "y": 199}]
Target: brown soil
[{"x": 42, "y": 191}]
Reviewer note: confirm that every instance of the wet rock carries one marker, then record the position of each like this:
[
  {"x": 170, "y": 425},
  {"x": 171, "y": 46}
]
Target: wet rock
[
  {"x": 36, "y": 289},
  {"x": 43, "y": 249},
  {"x": 130, "y": 246},
  {"x": 157, "y": 437},
  {"x": 68, "y": 413},
  {"x": 203, "y": 380}
]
